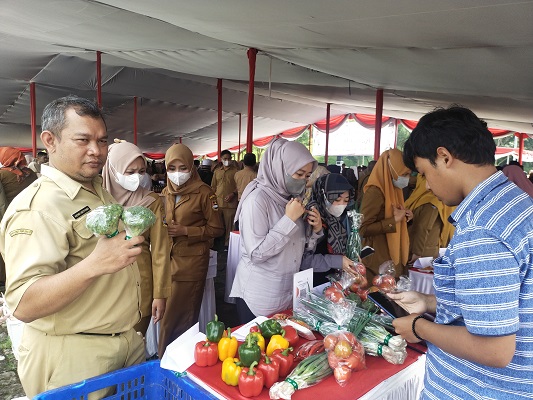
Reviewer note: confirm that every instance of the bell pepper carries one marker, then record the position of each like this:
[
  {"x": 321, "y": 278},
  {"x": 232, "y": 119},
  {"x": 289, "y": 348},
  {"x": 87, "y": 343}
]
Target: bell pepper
[
  {"x": 260, "y": 340},
  {"x": 285, "y": 360},
  {"x": 249, "y": 351},
  {"x": 270, "y": 370},
  {"x": 227, "y": 346},
  {"x": 291, "y": 335},
  {"x": 214, "y": 330},
  {"x": 255, "y": 328},
  {"x": 269, "y": 328},
  {"x": 276, "y": 342},
  {"x": 231, "y": 369},
  {"x": 251, "y": 381},
  {"x": 205, "y": 354}
]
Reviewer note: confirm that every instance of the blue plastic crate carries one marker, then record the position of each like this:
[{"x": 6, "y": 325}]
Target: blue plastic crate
[{"x": 144, "y": 381}]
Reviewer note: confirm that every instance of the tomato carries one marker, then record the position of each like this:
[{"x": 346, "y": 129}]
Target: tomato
[
  {"x": 360, "y": 267},
  {"x": 342, "y": 375},
  {"x": 354, "y": 287},
  {"x": 350, "y": 337},
  {"x": 343, "y": 348},
  {"x": 333, "y": 361},
  {"x": 363, "y": 282},
  {"x": 363, "y": 293},
  {"x": 355, "y": 362},
  {"x": 330, "y": 341},
  {"x": 333, "y": 294},
  {"x": 376, "y": 280}
]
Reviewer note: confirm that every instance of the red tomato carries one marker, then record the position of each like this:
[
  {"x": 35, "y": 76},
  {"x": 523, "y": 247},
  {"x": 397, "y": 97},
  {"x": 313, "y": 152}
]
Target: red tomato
[
  {"x": 342, "y": 375},
  {"x": 355, "y": 362},
  {"x": 330, "y": 341},
  {"x": 333, "y": 361},
  {"x": 333, "y": 294},
  {"x": 360, "y": 267}
]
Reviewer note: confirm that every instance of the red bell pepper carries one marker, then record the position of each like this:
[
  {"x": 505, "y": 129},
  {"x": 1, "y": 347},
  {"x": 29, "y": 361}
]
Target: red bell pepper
[
  {"x": 291, "y": 335},
  {"x": 205, "y": 354},
  {"x": 270, "y": 370},
  {"x": 285, "y": 360},
  {"x": 251, "y": 381},
  {"x": 255, "y": 328}
]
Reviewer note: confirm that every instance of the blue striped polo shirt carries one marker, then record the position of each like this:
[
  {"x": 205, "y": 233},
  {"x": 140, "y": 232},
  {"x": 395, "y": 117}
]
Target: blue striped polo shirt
[{"x": 484, "y": 281}]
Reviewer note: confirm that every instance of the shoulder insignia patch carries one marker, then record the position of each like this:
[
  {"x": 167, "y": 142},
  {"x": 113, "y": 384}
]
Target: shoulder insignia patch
[
  {"x": 20, "y": 231},
  {"x": 81, "y": 212},
  {"x": 214, "y": 203}
]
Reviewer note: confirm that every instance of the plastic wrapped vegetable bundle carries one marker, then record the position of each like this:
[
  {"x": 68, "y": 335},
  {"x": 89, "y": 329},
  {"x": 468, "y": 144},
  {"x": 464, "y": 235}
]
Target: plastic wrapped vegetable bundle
[
  {"x": 353, "y": 247},
  {"x": 104, "y": 220},
  {"x": 137, "y": 220}
]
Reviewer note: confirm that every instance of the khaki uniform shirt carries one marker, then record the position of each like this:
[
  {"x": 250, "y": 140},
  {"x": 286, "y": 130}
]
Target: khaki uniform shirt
[
  {"x": 223, "y": 183},
  {"x": 243, "y": 178},
  {"x": 43, "y": 233}
]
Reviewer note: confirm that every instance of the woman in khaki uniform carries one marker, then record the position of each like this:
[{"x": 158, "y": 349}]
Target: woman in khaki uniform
[
  {"x": 385, "y": 217},
  {"x": 193, "y": 222},
  {"x": 122, "y": 174}
]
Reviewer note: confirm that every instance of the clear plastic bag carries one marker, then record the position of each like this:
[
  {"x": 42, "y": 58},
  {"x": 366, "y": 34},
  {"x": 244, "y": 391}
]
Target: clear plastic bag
[
  {"x": 345, "y": 355},
  {"x": 137, "y": 219},
  {"x": 353, "y": 247},
  {"x": 103, "y": 220}
]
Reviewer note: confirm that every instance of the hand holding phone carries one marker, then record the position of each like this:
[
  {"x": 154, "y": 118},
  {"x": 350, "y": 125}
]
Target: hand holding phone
[{"x": 389, "y": 306}]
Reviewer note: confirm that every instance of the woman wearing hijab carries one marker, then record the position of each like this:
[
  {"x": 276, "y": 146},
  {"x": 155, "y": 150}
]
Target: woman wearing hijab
[
  {"x": 385, "y": 217},
  {"x": 122, "y": 175},
  {"x": 193, "y": 221},
  {"x": 331, "y": 195},
  {"x": 430, "y": 229},
  {"x": 273, "y": 232},
  {"x": 15, "y": 176},
  {"x": 516, "y": 174}
]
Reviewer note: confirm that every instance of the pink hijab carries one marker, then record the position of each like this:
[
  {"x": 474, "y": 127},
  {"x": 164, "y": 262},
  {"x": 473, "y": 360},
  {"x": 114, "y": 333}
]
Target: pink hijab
[
  {"x": 119, "y": 157},
  {"x": 516, "y": 174}
]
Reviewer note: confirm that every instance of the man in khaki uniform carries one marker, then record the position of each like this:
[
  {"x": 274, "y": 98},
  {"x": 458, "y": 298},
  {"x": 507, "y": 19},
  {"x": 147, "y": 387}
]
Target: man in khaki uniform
[
  {"x": 223, "y": 184},
  {"x": 78, "y": 294},
  {"x": 247, "y": 174}
]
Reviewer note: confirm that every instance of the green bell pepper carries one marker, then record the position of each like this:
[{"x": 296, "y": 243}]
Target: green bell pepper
[
  {"x": 214, "y": 330},
  {"x": 269, "y": 328},
  {"x": 249, "y": 351}
]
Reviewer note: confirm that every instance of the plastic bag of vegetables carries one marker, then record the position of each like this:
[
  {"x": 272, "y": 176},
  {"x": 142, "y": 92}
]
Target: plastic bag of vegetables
[
  {"x": 137, "y": 219},
  {"x": 345, "y": 355},
  {"x": 104, "y": 220},
  {"x": 309, "y": 372}
]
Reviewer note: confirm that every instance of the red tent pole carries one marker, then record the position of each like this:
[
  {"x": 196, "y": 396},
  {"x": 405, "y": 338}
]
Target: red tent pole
[
  {"x": 219, "y": 89},
  {"x": 240, "y": 127},
  {"x": 33, "y": 119},
  {"x": 135, "y": 120},
  {"x": 328, "y": 110},
  {"x": 99, "y": 78},
  {"x": 252, "y": 55},
  {"x": 379, "y": 115},
  {"x": 521, "y": 147}
]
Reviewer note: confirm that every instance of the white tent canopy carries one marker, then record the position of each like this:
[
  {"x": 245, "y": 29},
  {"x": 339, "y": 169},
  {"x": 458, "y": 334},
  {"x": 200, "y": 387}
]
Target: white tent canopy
[{"x": 170, "y": 54}]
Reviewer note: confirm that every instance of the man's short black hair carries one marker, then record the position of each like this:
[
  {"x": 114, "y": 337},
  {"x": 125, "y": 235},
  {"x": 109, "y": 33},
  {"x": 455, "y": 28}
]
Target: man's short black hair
[
  {"x": 249, "y": 159},
  {"x": 42, "y": 153},
  {"x": 224, "y": 152},
  {"x": 457, "y": 129}
]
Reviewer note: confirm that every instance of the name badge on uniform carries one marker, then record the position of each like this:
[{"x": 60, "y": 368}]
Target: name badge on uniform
[
  {"x": 214, "y": 203},
  {"x": 80, "y": 213}
]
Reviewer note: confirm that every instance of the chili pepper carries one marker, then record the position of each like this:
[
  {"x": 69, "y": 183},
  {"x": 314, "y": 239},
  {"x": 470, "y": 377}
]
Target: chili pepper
[
  {"x": 260, "y": 340},
  {"x": 251, "y": 381},
  {"x": 231, "y": 369},
  {"x": 227, "y": 346},
  {"x": 269, "y": 328},
  {"x": 276, "y": 342},
  {"x": 285, "y": 360},
  {"x": 291, "y": 335},
  {"x": 270, "y": 370},
  {"x": 249, "y": 351},
  {"x": 205, "y": 354},
  {"x": 214, "y": 330}
]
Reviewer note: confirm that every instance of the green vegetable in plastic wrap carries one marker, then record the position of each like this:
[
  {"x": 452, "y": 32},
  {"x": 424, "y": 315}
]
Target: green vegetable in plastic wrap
[
  {"x": 103, "y": 220},
  {"x": 137, "y": 219}
]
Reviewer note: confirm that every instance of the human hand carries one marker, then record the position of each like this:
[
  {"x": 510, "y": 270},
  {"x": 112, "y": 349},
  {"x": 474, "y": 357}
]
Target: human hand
[
  {"x": 408, "y": 214},
  {"x": 404, "y": 327},
  {"x": 399, "y": 213},
  {"x": 175, "y": 230},
  {"x": 348, "y": 265},
  {"x": 158, "y": 309},
  {"x": 314, "y": 219},
  {"x": 294, "y": 209},
  {"x": 113, "y": 254},
  {"x": 229, "y": 198},
  {"x": 411, "y": 301}
]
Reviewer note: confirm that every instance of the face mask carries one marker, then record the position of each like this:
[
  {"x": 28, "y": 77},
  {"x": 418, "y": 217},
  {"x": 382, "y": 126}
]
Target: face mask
[
  {"x": 146, "y": 181},
  {"x": 129, "y": 182},
  {"x": 336, "y": 210},
  {"x": 401, "y": 182},
  {"x": 294, "y": 186},
  {"x": 226, "y": 163},
  {"x": 178, "y": 178}
]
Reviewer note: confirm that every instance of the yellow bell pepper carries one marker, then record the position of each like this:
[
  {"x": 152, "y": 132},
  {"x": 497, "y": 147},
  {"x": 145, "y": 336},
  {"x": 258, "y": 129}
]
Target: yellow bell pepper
[
  {"x": 276, "y": 342},
  {"x": 231, "y": 370},
  {"x": 227, "y": 346},
  {"x": 260, "y": 339}
]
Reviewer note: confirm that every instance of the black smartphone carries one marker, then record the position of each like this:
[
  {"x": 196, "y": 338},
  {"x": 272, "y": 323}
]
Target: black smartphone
[{"x": 387, "y": 305}]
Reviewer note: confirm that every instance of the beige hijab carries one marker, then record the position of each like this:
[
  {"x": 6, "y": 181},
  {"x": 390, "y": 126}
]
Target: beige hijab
[
  {"x": 381, "y": 177},
  {"x": 119, "y": 158}
]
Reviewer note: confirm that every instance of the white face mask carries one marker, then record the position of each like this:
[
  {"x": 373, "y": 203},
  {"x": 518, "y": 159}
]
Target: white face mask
[
  {"x": 401, "y": 182},
  {"x": 226, "y": 163},
  {"x": 146, "y": 181},
  {"x": 336, "y": 209},
  {"x": 178, "y": 178},
  {"x": 129, "y": 182}
]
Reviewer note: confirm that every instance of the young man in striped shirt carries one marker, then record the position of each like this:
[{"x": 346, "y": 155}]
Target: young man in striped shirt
[{"x": 480, "y": 345}]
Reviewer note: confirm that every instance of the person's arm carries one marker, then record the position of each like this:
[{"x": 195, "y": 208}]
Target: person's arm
[
  {"x": 372, "y": 209},
  {"x": 214, "y": 227},
  {"x": 321, "y": 262}
]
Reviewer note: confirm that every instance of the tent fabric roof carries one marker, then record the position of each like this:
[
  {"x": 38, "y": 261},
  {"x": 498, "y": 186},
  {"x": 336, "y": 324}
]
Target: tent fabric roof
[{"x": 170, "y": 53}]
